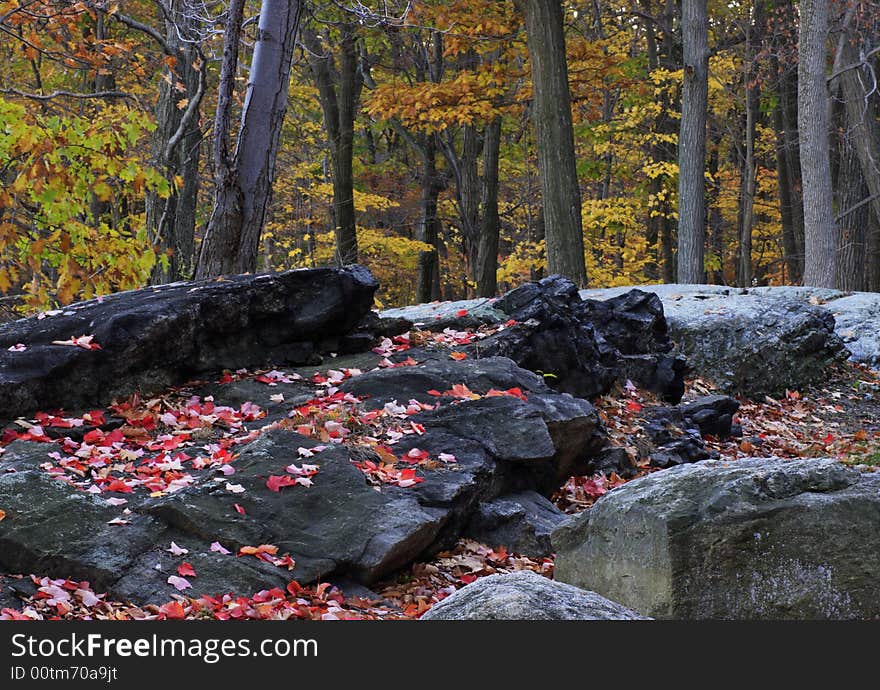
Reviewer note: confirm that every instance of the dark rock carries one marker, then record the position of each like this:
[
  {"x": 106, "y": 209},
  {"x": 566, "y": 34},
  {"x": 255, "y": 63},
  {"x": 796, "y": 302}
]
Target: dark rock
[
  {"x": 20, "y": 456},
  {"x": 526, "y": 595},
  {"x": 159, "y": 336},
  {"x": 756, "y": 538},
  {"x": 146, "y": 578},
  {"x": 635, "y": 325},
  {"x": 51, "y": 527},
  {"x": 522, "y": 522},
  {"x": 340, "y": 524},
  {"x": 581, "y": 347},
  {"x": 712, "y": 414},
  {"x": 441, "y": 374},
  {"x": 616, "y": 460},
  {"x": 676, "y": 433},
  {"x": 552, "y": 338}
]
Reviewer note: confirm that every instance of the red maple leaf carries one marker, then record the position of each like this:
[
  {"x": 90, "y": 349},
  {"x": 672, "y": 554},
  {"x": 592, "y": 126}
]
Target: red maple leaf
[{"x": 186, "y": 570}]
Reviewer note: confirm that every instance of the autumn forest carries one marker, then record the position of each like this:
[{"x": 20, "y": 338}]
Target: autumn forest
[{"x": 454, "y": 148}]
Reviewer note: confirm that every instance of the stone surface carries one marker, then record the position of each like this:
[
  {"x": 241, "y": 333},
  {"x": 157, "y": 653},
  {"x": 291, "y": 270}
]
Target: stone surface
[
  {"x": 339, "y": 527},
  {"x": 159, "y": 336},
  {"x": 525, "y": 596},
  {"x": 761, "y": 341},
  {"x": 522, "y": 522},
  {"x": 580, "y": 347},
  {"x": 676, "y": 433},
  {"x": 756, "y": 538}
]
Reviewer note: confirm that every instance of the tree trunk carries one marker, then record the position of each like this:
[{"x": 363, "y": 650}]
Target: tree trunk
[
  {"x": 792, "y": 154},
  {"x": 487, "y": 248},
  {"x": 428, "y": 280},
  {"x": 819, "y": 230},
  {"x": 862, "y": 125},
  {"x": 177, "y": 147},
  {"x": 339, "y": 91},
  {"x": 753, "y": 102},
  {"x": 232, "y": 239},
  {"x": 851, "y": 224},
  {"x": 692, "y": 143},
  {"x": 554, "y": 134}
]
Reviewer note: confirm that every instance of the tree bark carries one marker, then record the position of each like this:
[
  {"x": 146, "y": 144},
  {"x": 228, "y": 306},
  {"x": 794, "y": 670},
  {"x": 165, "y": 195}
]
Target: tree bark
[
  {"x": 692, "y": 143},
  {"x": 862, "y": 126},
  {"x": 852, "y": 224},
  {"x": 428, "y": 280},
  {"x": 244, "y": 185},
  {"x": 819, "y": 229},
  {"x": 554, "y": 134},
  {"x": 486, "y": 273},
  {"x": 177, "y": 147},
  {"x": 339, "y": 90},
  {"x": 749, "y": 177}
]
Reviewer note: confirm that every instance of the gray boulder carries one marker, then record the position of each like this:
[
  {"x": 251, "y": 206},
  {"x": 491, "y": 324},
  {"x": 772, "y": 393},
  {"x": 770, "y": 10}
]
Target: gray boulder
[
  {"x": 756, "y": 538},
  {"x": 525, "y": 595},
  {"x": 749, "y": 342}
]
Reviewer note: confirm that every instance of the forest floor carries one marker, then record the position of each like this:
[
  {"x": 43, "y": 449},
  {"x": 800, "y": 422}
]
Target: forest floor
[{"x": 840, "y": 419}]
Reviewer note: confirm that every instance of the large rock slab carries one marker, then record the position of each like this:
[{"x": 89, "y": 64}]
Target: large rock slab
[
  {"x": 346, "y": 524},
  {"x": 761, "y": 341},
  {"x": 526, "y": 596},
  {"x": 159, "y": 336},
  {"x": 756, "y": 538}
]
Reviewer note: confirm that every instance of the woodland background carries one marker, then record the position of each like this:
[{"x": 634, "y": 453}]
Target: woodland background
[{"x": 408, "y": 142}]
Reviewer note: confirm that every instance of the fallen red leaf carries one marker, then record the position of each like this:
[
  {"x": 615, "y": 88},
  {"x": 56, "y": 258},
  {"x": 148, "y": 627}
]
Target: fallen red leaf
[{"x": 186, "y": 570}]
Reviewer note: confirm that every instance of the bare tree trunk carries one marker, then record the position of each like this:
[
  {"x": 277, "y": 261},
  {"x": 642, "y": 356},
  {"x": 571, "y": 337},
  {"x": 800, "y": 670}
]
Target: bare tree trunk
[
  {"x": 244, "y": 184},
  {"x": 851, "y": 224},
  {"x": 715, "y": 216},
  {"x": 554, "y": 134},
  {"x": 339, "y": 91},
  {"x": 487, "y": 245},
  {"x": 819, "y": 231},
  {"x": 428, "y": 280},
  {"x": 862, "y": 125},
  {"x": 177, "y": 146},
  {"x": 792, "y": 153},
  {"x": 692, "y": 143},
  {"x": 753, "y": 98}
]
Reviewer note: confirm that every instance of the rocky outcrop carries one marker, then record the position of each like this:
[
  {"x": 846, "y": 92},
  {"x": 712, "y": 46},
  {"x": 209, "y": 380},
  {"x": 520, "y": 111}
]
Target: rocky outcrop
[
  {"x": 581, "y": 347},
  {"x": 762, "y": 341},
  {"x": 526, "y": 596},
  {"x": 521, "y": 522},
  {"x": 148, "y": 339},
  {"x": 757, "y": 538},
  {"x": 474, "y": 455}
]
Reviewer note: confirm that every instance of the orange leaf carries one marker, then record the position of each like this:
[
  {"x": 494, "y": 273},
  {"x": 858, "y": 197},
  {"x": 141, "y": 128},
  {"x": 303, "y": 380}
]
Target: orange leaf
[
  {"x": 458, "y": 356},
  {"x": 2, "y": 514}
]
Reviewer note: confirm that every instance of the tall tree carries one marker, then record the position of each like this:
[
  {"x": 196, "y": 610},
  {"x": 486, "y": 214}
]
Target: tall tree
[
  {"x": 339, "y": 83},
  {"x": 554, "y": 135},
  {"x": 820, "y": 268},
  {"x": 244, "y": 180},
  {"x": 171, "y": 220},
  {"x": 692, "y": 142}
]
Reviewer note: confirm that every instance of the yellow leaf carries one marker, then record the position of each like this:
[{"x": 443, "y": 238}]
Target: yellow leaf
[{"x": 182, "y": 103}]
